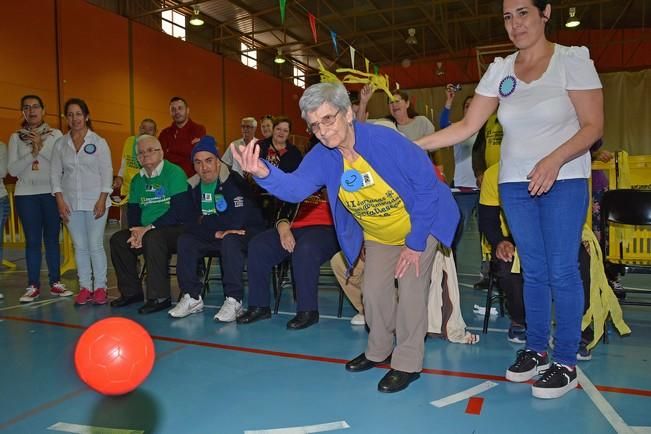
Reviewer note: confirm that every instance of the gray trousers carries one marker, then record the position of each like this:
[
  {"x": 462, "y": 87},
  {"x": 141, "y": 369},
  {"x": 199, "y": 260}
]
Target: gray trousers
[{"x": 401, "y": 316}]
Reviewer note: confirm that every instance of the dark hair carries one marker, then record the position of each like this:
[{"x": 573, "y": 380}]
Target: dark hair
[
  {"x": 411, "y": 112},
  {"x": 280, "y": 119},
  {"x": 265, "y": 117},
  {"x": 541, "y": 5},
  {"x": 22, "y": 103},
  {"x": 84, "y": 109},
  {"x": 178, "y": 98}
]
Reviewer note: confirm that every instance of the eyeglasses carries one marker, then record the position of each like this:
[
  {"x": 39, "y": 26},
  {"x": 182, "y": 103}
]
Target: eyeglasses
[
  {"x": 247, "y": 126},
  {"x": 147, "y": 151},
  {"x": 28, "y": 107},
  {"x": 326, "y": 121}
]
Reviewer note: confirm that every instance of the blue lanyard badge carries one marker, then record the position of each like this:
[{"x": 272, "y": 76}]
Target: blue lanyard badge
[
  {"x": 90, "y": 149},
  {"x": 352, "y": 180},
  {"x": 507, "y": 86},
  {"x": 220, "y": 203}
]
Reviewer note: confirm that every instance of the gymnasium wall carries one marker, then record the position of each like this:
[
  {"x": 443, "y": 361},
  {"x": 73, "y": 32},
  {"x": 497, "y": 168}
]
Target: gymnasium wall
[{"x": 125, "y": 71}]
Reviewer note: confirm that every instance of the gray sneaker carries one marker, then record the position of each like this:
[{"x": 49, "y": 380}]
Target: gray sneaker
[
  {"x": 229, "y": 311},
  {"x": 186, "y": 306}
]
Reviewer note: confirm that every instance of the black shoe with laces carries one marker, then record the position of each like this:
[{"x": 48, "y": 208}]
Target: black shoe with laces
[
  {"x": 555, "y": 382},
  {"x": 527, "y": 365}
]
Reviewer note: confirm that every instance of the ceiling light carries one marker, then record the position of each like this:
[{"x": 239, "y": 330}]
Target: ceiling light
[
  {"x": 196, "y": 20},
  {"x": 411, "y": 40},
  {"x": 572, "y": 20},
  {"x": 279, "y": 59}
]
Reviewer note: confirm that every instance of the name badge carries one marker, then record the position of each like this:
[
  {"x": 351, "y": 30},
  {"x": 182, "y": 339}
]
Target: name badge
[
  {"x": 352, "y": 180},
  {"x": 507, "y": 86},
  {"x": 220, "y": 203},
  {"x": 90, "y": 149}
]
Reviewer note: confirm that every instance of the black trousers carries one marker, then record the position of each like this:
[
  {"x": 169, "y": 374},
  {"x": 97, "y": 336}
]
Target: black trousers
[
  {"x": 192, "y": 248},
  {"x": 158, "y": 246},
  {"x": 512, "y": 285}
]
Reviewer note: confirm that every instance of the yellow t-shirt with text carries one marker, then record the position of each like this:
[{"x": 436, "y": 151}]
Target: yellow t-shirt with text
[{"x": 376, "y": 206}]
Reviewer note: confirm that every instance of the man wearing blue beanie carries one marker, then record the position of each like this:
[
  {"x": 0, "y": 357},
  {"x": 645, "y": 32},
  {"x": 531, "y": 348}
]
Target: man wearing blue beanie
[{"x": 223, "y": 218}]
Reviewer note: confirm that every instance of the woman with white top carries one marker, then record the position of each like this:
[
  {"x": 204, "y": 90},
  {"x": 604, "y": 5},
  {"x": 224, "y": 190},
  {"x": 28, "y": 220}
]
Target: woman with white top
[
  {"x": 551, "y": 109},
  {"x": 81, "y": 182},
  {"x": 29, "y": 160}
]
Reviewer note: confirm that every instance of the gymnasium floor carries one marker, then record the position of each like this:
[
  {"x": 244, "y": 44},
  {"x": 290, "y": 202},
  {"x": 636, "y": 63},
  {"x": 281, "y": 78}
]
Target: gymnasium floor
[{"x": 225, "y": 378}]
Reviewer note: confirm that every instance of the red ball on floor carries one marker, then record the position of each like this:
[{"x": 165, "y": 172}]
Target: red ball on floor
[{"x": 114, "y": 356}]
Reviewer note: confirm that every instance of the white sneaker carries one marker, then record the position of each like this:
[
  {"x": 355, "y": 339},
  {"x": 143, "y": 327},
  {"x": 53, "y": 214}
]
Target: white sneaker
[
  {"x": 229, "y": 311},
  {"x": 358, "y": 319},
  {"x": 31, "y": 294},
  {"x": 2, "y": 296},
  {"x": 186, "y": 306}
]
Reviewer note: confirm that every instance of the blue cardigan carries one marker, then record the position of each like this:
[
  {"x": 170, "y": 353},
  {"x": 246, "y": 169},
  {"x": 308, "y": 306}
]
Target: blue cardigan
[{"x": 402, "y": 164}]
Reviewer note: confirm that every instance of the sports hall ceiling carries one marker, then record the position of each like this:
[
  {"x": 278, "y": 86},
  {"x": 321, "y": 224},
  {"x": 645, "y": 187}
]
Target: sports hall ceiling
[{"x": 377, "y": 29}]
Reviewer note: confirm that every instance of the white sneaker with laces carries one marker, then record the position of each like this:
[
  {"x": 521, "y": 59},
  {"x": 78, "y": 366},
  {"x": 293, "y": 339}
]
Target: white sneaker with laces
[
  {"x": 229, "y": 311},
  {"x": 358, "y": 320},
  {"x": 186, "y": 306},
  {"x": 31, "y": 294}
]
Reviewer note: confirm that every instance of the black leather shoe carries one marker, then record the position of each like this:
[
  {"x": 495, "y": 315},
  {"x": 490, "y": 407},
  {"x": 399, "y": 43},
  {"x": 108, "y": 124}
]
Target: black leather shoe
[
  {"x": 125, "y": 301},
  {"x": 303, "y": 320},
  {"x": 152, "y": 306},
  {"x": 395, "y": 381},
  {"x": 361, "y": 363},
  {"x": 254, "y": 314}
]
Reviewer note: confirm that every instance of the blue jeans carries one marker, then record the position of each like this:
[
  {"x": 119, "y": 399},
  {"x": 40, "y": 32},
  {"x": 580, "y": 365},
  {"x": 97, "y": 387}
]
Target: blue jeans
[
  {"x": 4, "y": 213},
  {"x": 87, "y": 235},
  {"x": 547, "y": 231},
  {"x": 467, "y": 202},
  {"x": 39, "y": 216}
]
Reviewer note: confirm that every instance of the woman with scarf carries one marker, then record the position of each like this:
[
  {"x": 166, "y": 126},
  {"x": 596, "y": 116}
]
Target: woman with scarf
[{"x": 30, "y": 155}]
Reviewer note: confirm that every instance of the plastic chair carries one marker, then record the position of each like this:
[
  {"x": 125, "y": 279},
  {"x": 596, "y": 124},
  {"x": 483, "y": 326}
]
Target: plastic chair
[{"x": 631, "y": 208}]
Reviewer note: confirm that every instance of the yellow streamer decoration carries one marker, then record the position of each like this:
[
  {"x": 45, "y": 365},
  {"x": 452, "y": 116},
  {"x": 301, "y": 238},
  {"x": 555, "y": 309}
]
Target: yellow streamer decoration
[
  {"x": 376, "y": 81},
  {"x": 326, "y": 76}
]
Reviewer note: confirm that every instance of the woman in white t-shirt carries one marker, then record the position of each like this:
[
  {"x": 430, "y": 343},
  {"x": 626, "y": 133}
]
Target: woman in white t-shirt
[
  {"x": 30, "y": 157},
  {"x": 81, "y": 177},
  {"x": 551, "y": 110}
]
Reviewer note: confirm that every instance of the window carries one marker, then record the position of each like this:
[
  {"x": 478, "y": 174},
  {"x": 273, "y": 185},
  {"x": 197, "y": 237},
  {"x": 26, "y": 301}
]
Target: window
[
  {"x": 299, "y": 77},
  {"x": 173, "y": 24},
  {"x": 249, "y": 56}
]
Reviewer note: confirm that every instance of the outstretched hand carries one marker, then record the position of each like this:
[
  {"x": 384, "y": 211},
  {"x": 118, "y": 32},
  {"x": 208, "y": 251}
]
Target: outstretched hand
[{"x": 248, "y": 157}]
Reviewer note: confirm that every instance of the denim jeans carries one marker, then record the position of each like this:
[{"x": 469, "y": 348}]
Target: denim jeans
[
  {"x": 547, "y": 231},
  {"x": 88, "y": 238},
  {"x": 39, "y": 216},
  {"x": 4, "y": 213},
  {"x": 467, "y": 202}
]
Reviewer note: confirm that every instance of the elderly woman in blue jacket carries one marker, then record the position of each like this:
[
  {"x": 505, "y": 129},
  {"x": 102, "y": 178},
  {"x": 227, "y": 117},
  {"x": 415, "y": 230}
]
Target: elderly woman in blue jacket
[{"x": 384, "y": 196}]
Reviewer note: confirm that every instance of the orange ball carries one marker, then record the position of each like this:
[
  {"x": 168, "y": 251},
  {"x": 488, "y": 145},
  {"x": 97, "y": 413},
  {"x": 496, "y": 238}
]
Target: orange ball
[{"x": 114, "y": 356}]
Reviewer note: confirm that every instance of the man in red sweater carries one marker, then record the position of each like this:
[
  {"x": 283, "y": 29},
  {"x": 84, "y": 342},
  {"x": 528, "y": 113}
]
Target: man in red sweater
[{"x": 179, "y": 138}]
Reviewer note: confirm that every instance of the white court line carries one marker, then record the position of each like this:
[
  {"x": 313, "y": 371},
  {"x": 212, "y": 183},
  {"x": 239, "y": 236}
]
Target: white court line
[
  {"x": 602, "y": 405},
  {"x": 332, "y": 426},
  {"x": 34, "y": 304},
  {"x": 641, "y": 429},
  {"x": 88, "y": 429},
  {"x": 476, "y": 390}
]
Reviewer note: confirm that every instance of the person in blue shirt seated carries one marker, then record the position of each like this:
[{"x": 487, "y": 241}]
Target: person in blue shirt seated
[{"x": 223, "y": 218}]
